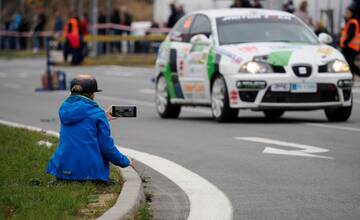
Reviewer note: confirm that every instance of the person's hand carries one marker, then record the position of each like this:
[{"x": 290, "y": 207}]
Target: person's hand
[
  {"x": 132, "y": 163},
  {"x": 108, "y": 114}
]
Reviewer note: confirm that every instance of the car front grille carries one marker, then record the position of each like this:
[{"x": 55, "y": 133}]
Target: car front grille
[
  {"x": 302, "y": 70},
  {"x": 325, "y": 93}
]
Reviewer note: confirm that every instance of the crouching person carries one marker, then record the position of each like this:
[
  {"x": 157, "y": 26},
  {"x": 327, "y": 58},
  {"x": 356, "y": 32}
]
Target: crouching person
[{"x": 86, "y": 147}]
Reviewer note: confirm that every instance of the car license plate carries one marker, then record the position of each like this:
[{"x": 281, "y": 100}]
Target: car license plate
[
  {"x": 303, "y": 87},
  {"x": 280, "y": 87}
]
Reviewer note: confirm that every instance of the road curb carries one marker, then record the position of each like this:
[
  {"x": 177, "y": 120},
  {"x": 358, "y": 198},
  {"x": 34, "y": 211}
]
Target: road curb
[
  {"x": 130, "y": 198},
  {"x": 131, "y": 195}
]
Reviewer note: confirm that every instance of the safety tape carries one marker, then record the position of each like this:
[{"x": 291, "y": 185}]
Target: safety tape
[{"x": 110, "y": 26}]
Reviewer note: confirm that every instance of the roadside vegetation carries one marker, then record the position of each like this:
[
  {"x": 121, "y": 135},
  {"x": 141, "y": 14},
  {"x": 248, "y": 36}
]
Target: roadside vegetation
[
  {"x": 16, "y": 54},
  {"x": 121, "y": 59},
  {"x": 27, "y": 192},
  {"x": 144, "y": 212}
]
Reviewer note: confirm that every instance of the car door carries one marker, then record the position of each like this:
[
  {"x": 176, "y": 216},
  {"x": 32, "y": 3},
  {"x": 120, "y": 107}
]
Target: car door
[
  {"x": 195, "y": 81},
  {"x": 179, "y": 48}
]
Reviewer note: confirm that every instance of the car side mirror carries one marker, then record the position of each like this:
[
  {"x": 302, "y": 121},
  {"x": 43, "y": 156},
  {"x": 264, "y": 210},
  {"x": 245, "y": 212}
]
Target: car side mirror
[
  {"x": 200, "y": 39},
  {"x": 325, "y": 38}
]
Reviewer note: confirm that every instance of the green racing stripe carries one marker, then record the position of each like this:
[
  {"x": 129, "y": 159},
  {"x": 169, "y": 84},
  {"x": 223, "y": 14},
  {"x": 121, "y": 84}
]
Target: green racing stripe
[
  {"x": 170, "y": 84},
  {"x": 280, "y": 58},
  {"x": 211, "y": 63}
]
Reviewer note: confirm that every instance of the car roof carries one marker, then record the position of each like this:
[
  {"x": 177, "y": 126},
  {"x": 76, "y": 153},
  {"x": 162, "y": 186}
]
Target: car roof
[{"x": 215, "y": 13}]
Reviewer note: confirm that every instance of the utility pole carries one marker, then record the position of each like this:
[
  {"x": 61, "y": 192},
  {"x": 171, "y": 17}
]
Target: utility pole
[
  {"x": 94, "y": 21},
  {"x": 107, "y": 14}
]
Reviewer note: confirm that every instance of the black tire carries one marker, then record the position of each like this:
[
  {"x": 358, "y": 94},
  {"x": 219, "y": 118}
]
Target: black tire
[
  {"x": 274, "y": 113},
  {"x": 224, "y": 113},
  {"x": 338, "y": 114},
  {"x": 162, "y": 100}
]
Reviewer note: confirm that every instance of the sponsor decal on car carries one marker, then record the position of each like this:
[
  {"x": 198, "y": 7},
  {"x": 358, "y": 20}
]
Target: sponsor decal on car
[
  {"x": 324, "y": 51},
  {"x": 248, "y": 49},
  {"x": 229, "y": 54}
]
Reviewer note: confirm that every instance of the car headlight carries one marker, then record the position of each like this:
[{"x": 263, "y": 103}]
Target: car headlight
[
  {"x": 256, "y": 67},
  {"x": 337, "y": 66}
]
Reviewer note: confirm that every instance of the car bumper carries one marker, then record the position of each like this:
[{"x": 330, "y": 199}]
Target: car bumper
[{"x": 328, "y": 93}]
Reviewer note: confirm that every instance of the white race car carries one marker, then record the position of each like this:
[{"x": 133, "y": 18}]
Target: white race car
[{"x": 262, "y": 60}]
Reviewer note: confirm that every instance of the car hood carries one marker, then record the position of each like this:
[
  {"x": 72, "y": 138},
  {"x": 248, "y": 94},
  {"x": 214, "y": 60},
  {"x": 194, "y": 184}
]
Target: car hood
[{"x": 279, "y": 54}]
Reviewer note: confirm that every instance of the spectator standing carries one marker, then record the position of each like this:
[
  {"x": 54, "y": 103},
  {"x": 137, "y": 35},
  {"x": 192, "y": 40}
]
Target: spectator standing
[
  {"x": 23, "y": 27},
  {"x": 115, "y": 19},
  {"x": 180, "y": 12},
  {"x": 303, "y": 14},
  {"x": 173, "y": 16},
  {"x": 5, "y": 39},
  {"x": 84, "y": 31},
  {"x": 59, "y": 24},
  {"x": 101, "y": 31},
  {"x": 350, "y": 37},
  {"x": 40, "y": 21},
  {"x": 126, "y": 19},
  {"x": 241, "y": 4},
  {"x": 289, "y": 6},
  {"x": 72, "y": 40},
  {"x": 257, "y": 4},
  {"x": 320, "y": 28},
  {"x": 14, "y": 27}
]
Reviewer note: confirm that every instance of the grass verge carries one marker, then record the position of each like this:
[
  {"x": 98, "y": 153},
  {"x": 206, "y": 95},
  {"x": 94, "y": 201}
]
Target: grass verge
[
  {"x": 119, "y": 59},
  {"x": 27, "y": 192},
  {"x": 16, "y": 54}
]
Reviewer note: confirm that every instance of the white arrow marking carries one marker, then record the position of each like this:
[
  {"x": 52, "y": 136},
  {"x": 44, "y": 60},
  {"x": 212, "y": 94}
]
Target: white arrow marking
[{"x": 302, "y": 150}]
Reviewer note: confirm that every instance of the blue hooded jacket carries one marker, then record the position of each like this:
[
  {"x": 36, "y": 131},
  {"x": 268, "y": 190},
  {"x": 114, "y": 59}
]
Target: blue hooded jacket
[{"x": 86, "y": 146}]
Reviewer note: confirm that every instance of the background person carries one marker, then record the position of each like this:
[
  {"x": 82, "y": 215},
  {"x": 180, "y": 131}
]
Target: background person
[
  {"x": 86, "y": 147},
  {"x": 350, "y": 38},
  {"x": 303, "y": 14},
  {"x": 289, "y": 6}
]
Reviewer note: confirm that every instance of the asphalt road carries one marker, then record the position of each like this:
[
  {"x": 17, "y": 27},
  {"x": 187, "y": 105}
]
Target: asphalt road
[{"x": 298, "y": 167}]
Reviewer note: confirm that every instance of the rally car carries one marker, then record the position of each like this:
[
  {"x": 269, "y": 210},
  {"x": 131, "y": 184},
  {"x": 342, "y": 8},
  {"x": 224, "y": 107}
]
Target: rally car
[{"x": 256, "y": 59}]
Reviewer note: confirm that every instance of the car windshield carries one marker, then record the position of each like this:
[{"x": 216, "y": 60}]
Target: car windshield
[{"x": 263, "y": 28}]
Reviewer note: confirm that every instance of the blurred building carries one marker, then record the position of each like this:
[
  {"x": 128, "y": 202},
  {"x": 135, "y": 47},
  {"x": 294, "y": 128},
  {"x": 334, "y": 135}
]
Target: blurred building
[{"x": 330, "y": 11}]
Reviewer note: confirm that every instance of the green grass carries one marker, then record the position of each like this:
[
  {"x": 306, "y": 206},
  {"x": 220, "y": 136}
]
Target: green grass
[
  {"x": 144, "y": 212},
  {"x": 119, "y": 59},
  {"x": 26, "y": 191},
  {"x": 15, "y": 54}
]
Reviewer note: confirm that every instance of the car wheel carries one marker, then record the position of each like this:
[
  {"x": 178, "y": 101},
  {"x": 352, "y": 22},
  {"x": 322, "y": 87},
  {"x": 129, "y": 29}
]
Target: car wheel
[
  {"x": 338, "y": 114},
  {"x": 220, "y": 106},
  {"x": 274, "y": 113},
  {"x": 162, "y": 100}
]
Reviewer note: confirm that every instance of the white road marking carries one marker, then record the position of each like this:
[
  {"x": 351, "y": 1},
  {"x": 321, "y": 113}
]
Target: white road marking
[
  {"x": 11, "y": 85},
  {"x": 147, "y": 91},
  {"x": 206, "y": 200},
  {"x": 334, "y": 127},
  {"x": 302, "y": 150}
]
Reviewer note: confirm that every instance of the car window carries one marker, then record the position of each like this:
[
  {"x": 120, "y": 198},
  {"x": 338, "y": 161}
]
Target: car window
[
  {"x": 180, "y": 31},
  {"x": 201, "y": 25},
  {"x": 275, "y": 28}
]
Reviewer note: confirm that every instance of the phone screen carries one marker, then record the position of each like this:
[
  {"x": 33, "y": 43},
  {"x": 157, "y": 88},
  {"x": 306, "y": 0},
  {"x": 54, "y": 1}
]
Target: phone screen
[{"x": 123, "y": 111}]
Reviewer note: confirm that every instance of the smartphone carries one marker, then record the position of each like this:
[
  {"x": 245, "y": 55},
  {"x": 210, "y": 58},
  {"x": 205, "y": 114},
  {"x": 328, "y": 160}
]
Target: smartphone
[{"x": 123, "y": 111}]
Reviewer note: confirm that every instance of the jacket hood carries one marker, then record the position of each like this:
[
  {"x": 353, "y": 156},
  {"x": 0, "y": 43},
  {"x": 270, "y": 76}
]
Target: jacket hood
[{"x": 76, "y": 108}]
